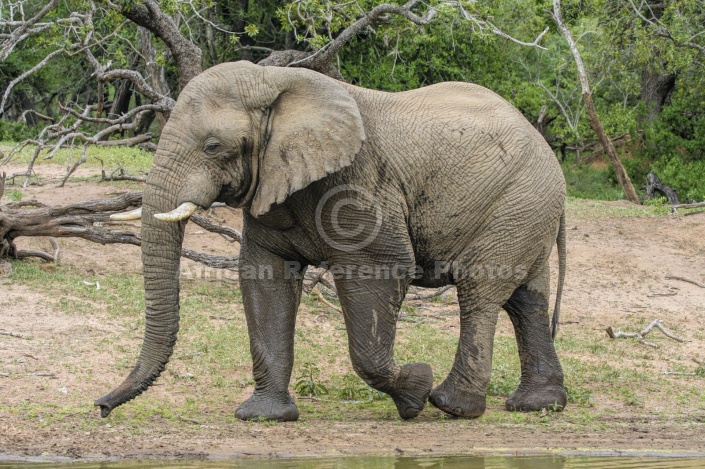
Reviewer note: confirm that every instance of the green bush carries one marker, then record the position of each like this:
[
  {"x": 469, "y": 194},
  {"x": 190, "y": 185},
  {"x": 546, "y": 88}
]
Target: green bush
[
  {"x": 16, "y": 131},
  {"x": 589, "y": 182},
  {"x": 687, "y": 178},
  {"x": 674, "y": 148}
]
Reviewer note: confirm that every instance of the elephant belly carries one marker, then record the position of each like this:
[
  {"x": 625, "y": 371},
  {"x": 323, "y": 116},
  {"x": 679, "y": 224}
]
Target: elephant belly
[{"x": 430, "y": 277}]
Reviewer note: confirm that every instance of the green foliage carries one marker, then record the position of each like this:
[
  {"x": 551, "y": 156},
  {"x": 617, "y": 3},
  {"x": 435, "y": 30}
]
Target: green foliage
[
  {"x": 674, "y": 148},
  {"x": 579, "y": 396},
  {"x": 688, "y": 178},
  {"x": 590, "y": 182},
  {"x": 133, "y": 160},
  {"x": 16, "y": 131},
  {"x": 308, "y": 383},
  {"x": 15, "y": 195},
  {"x": 619, "y": 49}
]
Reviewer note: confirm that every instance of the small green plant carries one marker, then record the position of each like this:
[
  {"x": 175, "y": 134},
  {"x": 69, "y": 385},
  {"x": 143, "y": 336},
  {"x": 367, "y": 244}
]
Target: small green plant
[
  {"x": 555, "y": 407},
  {"x": 579, "y": 396},
  {"x": 630, "y": 398},
  {"x": 15, "y": 195},
  {"x": 700, "y": 371},
  {"x": 308, "y": 383},
  {"x": 352, "y": 388}
]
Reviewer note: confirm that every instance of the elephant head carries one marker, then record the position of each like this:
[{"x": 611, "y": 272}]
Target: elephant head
[{"x": 242, "y": 134}]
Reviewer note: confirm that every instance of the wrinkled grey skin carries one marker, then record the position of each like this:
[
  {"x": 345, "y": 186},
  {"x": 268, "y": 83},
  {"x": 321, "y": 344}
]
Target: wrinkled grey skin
[{"x": 449, "y": 178}]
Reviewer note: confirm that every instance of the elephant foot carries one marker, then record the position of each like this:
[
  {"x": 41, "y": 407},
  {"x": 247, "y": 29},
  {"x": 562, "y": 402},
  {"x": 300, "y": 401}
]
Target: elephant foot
[
  {"x": 259, "y": 407},
  {"x": 413, "y": 386},
  {"x": 453, "y": 400},
  {"x": 535, "y": 398}
]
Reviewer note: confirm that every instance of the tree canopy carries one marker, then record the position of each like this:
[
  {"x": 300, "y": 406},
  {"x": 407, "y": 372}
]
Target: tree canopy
[{"x": 85, "y": 71}]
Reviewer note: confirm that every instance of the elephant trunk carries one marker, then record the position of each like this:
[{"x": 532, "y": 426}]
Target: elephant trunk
[{"x": 161, "y": 252}]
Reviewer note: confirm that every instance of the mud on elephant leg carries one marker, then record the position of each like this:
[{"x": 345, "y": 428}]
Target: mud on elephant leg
[
  {"x": 371, "y": 308},
  {"x": 463, "y": 392},
  {"x": 541, "y": 384}
]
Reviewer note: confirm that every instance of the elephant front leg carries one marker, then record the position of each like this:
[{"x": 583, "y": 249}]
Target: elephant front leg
[
  {"x": 271, "y": 291},
  {"x": 370, "y": 308}
]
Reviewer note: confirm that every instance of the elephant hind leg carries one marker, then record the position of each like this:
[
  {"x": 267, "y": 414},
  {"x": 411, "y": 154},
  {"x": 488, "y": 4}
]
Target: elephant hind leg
[
  {"x": 541, "y": 384},
  {"x": 463, "y": 392}
]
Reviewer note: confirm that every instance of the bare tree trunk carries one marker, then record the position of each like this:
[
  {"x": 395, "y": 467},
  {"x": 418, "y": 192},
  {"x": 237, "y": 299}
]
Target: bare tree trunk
[
  {"x": 655, "y": 89},
  {"x": 155, "y": 71},
  {"x": 186, "y": 54},
  {"x": 543, "y": 120},
  {"x": 595, "y": 123},
  {"x": 656, "y": 85}
]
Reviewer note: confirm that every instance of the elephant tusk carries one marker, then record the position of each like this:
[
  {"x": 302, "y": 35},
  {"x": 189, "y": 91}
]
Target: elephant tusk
[
  {"x": 135, "y": 214},
  {"x": 181, "y": 212}
]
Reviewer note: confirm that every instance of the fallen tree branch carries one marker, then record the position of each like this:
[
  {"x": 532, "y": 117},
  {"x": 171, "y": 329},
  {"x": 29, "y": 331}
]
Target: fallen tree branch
[
  {"x": 119, "y": 175},
  {"x": 654, "y": 184},
  {"x": 694, "y": 205},
  {"x": 684, "y": 279},
  {"x": 88, "y": 220},
  {"x": 426, "y": 296},
  {"x": 657, "y": 324},
  {"x": 23, "y": 254},
  {"x": 323, "y": 300},
  {"x": 316, "y": 275},
  {"x": 13, "y": 334},
  {"x": 207, "y": 224},
  {"x": 672, "y": 291}
]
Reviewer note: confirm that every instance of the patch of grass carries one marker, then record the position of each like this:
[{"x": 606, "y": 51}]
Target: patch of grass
[
  {"x": 211, "y": 364},
  {"x": 133, "y": 160},
  {"x": 589, "y": 182},
  {"x": 119, "y": 294},
  {"x": 14, "y": 195},
  {"x": 599, "y": 209}
]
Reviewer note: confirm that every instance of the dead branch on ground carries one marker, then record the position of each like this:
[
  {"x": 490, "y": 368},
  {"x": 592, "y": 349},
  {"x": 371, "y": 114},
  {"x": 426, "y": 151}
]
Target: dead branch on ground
[
  {"x": 323, "y": 300},
  {"x": 90, "y": 220},
  {"x": 119, "y": 174},
  {"x": 416, "y": 295},
  {"x": 685, "y": 279},
  {"x": 657, "y": 324},
  {"x": 672, "y": 291},
  {"x": 654, "y": 184},
  {"x": 695, "y": 205},
  {"x": 316, "y": 275},
  {"x": 14, "y": 334}
]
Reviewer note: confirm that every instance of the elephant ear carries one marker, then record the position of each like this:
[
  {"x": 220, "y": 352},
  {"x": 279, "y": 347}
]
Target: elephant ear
[{"x": 314, "y": 129}]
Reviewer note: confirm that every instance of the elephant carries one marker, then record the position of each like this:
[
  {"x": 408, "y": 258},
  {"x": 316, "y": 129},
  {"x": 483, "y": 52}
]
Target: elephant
[{"x": 446, "y": 184}]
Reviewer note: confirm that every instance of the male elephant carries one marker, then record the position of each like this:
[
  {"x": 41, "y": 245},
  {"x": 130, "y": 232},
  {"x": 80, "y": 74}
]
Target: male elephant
[{"x": 444, "y": 184}]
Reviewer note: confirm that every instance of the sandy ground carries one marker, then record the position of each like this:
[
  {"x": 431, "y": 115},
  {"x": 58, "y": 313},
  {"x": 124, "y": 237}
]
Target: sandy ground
[{"x": 616, "y": 265}]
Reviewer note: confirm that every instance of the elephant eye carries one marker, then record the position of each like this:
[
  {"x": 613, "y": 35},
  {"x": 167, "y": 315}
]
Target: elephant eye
[{"x": 211, "y": 147}]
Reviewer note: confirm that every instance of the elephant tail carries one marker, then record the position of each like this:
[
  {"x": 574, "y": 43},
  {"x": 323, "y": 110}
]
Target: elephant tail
[{"x": 560, "y": 244}]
